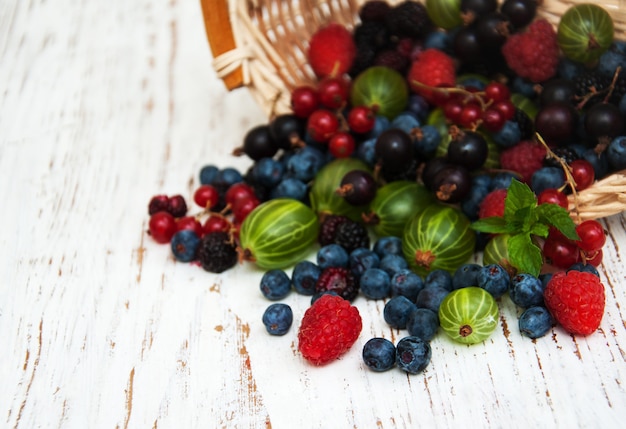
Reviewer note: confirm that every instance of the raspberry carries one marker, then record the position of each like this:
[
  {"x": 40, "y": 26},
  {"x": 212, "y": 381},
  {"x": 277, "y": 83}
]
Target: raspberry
[
  {"x": 524, "y": 158},
  {"x": 328, "y": 229},
  {"x": 328, "y": 329},
  {"x": 216, "y": 252},
  {"x": 331, "y": 51},
  {"x": 576, "y": 300},
  {"x": 431, "y": 68},
  {"x": 492, "y": 204},
  {"x": 352, "y": 235},
  {"x": 533, "y": 54},
  {"x": 340, "y": 280}
]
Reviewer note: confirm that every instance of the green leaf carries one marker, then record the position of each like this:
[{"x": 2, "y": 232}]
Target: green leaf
[
  {"x": 556, "y": 216},
  {"x": 524, "y": 254},
  {"x": 494, "y": 225},
  {"x": 540, "y": 230},
  {"x": 518, "y": 196}
]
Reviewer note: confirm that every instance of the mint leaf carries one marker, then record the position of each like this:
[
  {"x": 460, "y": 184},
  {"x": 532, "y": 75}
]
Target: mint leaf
[
  {"x": 556, "y": 216},
  {"x": 518, "y": 196},
  {"x": 494, "y": 225},
  {"x": 524, "y": 254},
  {"x": 540, "y": 230}
]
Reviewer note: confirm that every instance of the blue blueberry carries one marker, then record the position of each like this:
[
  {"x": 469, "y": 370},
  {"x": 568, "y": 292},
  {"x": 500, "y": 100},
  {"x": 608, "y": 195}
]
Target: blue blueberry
[
  {"x": 379, "y": 354},
  {"x": 366, "y": 152},
  {"x": 470, "y": 205},
  {"x": 612, "y": 58},
  {"x": 501, "y": 181},
  {"x": 397, "y": 311},
  {"x": 228, "y": 176},
  {"x": 375, "y": 283},
  {"x": 599, "y": 161},
  {"x": 431, "y": 297},
  {"x": 388, "y": 245},
  {"x": 290, "y": 187},
  {"x": 185, "y": 245},
  {"x": 437, "y": 40},
  {"x": 305, "y": 163},
  {"x": 361, "y": 259},
  {"x": 568, "y": 69},
  {"x": 547, "y": 178},
  {"x": 523, "y": 86},
  {"x": 587, "y": 268},
  {"x": 438, "y": 278},
  {"x": 427, "y": 141},
  {"x": 616, "y": 153},
  {"x": 332, "y": 255},
  {"x": 304, "y": 277},
  {"x": 545, "y": 279},
  {"x": 208, "y": 173},
  {"x": 405, "y": 121},
  {"x": 381, "y": 124},
  {"x": 535, "y": 322},
  {"x": 278, "y": 318},
  {"x": 318, "y": 295},
  {"x": 526, "y": 290},
  {"x": 268, "y": 171},
  {"x": 413, "y": 354},
  {"x": 393, "y": 263},
  {"x": 406, "y": 283},
  {"x": 423, "y": 323},
  {"x": 466, "y": 275},
  {"x": 275, "y": 284},
  {"x": 419, "y": 106},
  {"x": 494, "y": 279},
  {"x": 509, "y": 135}
]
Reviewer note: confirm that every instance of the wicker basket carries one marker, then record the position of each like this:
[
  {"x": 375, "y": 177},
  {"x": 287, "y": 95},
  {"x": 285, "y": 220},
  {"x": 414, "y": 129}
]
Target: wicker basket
[{"x": 261, "y": 45}]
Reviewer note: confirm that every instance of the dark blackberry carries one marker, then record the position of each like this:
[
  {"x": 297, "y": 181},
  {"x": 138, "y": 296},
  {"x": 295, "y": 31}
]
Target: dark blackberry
[
  {"x": 591, "y": 82},
  {"x": 328, "y": 229},
  {"x": 352, "y": 235},
  {"x": 392, "y": 59},
  {"x": 339, "y": 280},
  {"x": 372, "y": 34},
  {"x": 374, "y": 10},
  {"x": 409, "y": 19},
  {"x": 363, "y": 59},
  {"x": 526, "y": 125},
  {"x": 217, "y": 252},
  {"x": 565, "y": 153}
]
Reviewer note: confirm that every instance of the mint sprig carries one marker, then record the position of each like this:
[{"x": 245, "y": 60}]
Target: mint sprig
[{"x": 524, "y": 220}]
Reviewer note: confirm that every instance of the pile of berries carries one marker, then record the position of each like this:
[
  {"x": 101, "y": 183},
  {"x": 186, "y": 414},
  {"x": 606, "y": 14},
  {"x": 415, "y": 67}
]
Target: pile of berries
[{"x": 485, "y": 98}]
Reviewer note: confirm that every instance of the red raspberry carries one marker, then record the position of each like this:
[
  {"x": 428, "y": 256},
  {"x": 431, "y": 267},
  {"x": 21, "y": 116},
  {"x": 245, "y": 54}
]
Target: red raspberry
[
  {"x": 576, "y": 300},
  {"x": 524, "y": 158},
  {"x": 331, "y": 51},
  {"x": 533, "y": 54},
  {"x": 433, "y": 68},
  {"x": 328, "y": 329},
  {"x": 492, "y": 204}
]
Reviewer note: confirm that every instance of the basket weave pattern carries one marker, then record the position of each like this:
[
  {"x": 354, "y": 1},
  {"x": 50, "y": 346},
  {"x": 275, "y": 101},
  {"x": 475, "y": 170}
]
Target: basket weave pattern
[{"x": 262, "y": 45}]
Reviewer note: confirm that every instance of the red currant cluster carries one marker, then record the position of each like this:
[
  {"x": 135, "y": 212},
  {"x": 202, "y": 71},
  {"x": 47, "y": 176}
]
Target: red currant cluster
[
  {"x": 562, "y": 252},
  {"x": 322, "y": 108},
  {"x": 470, "y": 108}
]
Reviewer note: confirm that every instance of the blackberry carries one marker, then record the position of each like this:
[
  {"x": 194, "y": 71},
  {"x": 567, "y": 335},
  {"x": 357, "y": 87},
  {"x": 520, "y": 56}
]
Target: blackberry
[
  {"x": 328, "y": 229},
  {"x": 372, "y": 34},
  {"x": 525, "y": 124},
  {"x": 352, "y": 235},
  {"x": 409, "y": 19},
  {"x": 216, "y": 252},
  {"x": 590, "y": 82},
  {"x": 566, "y": 153},
  {"x": 374, "y": 10},
  {"x": 339, "y": 280},
  {"x": 392, "y": 59}
]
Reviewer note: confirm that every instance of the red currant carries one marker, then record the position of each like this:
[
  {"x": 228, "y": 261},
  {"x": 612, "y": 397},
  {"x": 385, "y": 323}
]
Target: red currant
[
  {"x": 553, "y": 196},
  {"x": 158, "y": 203},
  {"x": 361, "y": 119},
  {"x": 333, "y": 92},
  {"x": 493, "y": 120},
  {"x": 497, "y": 91},
  {"x": 206, "y": 196},
  {"x": 177, "y": 206},
  {"x": 162, "y": 227},
  {"x": 322, "y": 124},
  {"x": 216, "y": 223},
  {"x": 243, "y": 207},
  {"x": 470, "y": 115},
  {"x": 594, "y": 258},
  {"x": 341, "y": 145},
  {"x": 452, "y": 110},
  {"x": 189, "y": 222},
  {"x": 238, "y": 191},
  {"x": 506, "y": 107},
  {"x": 304, "y": 101},
  {"x": 592, "y": 236},
  {"x": 583, "y": 173},
  {"x": 560, "y": 252}
]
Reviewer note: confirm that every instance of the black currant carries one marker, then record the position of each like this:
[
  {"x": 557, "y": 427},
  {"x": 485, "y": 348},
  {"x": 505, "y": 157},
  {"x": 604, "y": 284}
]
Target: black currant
[
  {"x": 357, "y": 187},
  {"x": 479, "y": 7},
  {"x": 603, "y": 120},
  {"x": 519, "y": 12},
  {"x": 452, "y": 183},
  {"x": 394, "y": 149},
  {"x": 468, "y": 149},
  {"x": 431, "y": 168},
  {"x": 557, "y": 90},
  {"x": 557, "y": 122},
  {"x": 258, "y": 143},
  {"x": 287, "y": 130}
]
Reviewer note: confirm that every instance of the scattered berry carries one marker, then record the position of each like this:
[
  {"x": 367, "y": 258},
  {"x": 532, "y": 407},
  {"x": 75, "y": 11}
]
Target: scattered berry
[
  {"x": 413, "y": 354},
  {"x": 217, "y": 252},
  {"x": 278, "y": 318},
  {"x": 379, "y": 354}
]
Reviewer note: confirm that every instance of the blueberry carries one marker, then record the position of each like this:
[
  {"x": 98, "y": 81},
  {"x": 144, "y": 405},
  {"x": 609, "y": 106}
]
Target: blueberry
[
  {"x": 413, "y": 354},
  {"x": 375, "y": 284},
  {"x": 405, "y": 121},
  {"x": 305, "y": 164},
  {"x": 545, "y": 278},
  {"x": 523, "y": 86},
  {"x": 494, "y": 279},
  {"x": 397, "y": 311},
  {"x": 406, "y": 283},
  {"x": 438, "y": 278},
  {"x": 535, "y": 322},
  {"x": 208, "y": 173},
  {"x": 275, "y": 284},
  {"x": 547, "y": 178},
  {"x": 616, "y": 153},
  {"x": 380, "y": 124},
  {"x": 612, "y": 58},
  {"x": 278, "y": 318},
  {"x": 317, "y": 295},
  {"x": 599, "y": 161},
  {"x": 388, "y": 245},
  {"x": 418, "y": 104},
  {"x": 423, "y": 323},
  {"x": 588, "y": 268},
  {"x": 185, "y": 245},
  {"x": 290, "y": 187},
  {"x": 379, "y": 354},
  {"x": 361, "y": 259},
  {"x": 228, "y": 176},
  {"x": 526, "y": 290},
  {"x": 509, "y": 135},
  {"x": 366, "y": 152},
  {"x": 427, "y": 142},
  {"x": 431, "y": 297},
  {"x": 304, "y": 277},
  {"x": 470, "y": 205},
  {"x": 332, "y": 255},
  {"x": 268, "y": 172},
  {"x": 393, "y": 263},
  {"x": 466, "y": 275},
  {"x": 501, "y": 181}
]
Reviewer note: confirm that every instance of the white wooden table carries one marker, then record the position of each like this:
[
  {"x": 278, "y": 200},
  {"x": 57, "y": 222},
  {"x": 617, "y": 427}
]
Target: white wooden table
[{"x": 104, "y": 104}]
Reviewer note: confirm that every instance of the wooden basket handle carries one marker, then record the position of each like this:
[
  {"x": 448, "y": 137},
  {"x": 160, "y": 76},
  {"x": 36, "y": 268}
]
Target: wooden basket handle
[{"x": 219, "y": 32}]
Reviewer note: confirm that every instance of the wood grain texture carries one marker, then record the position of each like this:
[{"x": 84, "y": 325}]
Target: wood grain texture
[{"x": 104, "y": 104}]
